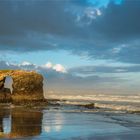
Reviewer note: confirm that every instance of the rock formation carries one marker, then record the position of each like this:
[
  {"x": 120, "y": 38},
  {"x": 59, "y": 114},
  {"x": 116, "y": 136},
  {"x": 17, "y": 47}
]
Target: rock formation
[{"x": 27, "y": 85}]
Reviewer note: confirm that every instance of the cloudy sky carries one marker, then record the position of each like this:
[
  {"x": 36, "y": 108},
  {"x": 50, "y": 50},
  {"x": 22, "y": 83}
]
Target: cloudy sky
[{"x": 75, "y": 44}]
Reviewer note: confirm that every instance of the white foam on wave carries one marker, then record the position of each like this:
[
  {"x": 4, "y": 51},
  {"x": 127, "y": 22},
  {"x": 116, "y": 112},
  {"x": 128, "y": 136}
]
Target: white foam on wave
[
  {"x": 116, "y": 102},
  {"x": 98, "y": 97},
  {"x": 119, "y": 107}
]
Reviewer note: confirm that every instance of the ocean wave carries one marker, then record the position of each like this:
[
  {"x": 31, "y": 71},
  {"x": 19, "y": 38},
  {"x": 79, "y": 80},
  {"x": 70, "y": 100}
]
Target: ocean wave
[
  {"x": 99, "y": 97},
  {"x": 114, "y": 102},
  {"x": 119, "y": 107}
]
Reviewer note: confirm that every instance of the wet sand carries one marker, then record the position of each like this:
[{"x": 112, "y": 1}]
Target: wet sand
[{"x": 62, "y": 124}]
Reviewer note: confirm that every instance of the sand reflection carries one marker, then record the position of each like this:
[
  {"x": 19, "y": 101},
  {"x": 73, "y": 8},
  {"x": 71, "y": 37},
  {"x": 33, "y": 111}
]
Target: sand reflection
[{"x": 53, "y": 123}]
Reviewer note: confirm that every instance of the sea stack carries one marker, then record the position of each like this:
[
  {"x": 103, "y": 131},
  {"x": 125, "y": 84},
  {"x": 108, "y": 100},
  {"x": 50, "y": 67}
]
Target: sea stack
[{"x": 27, "y": 85}]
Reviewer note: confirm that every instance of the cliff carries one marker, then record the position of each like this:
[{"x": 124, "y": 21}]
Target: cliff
[{"x": 27, "y": 85}]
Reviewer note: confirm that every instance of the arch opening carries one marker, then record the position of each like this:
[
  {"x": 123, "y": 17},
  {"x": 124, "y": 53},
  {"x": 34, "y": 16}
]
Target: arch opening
[{"x": 8, "y": 83}]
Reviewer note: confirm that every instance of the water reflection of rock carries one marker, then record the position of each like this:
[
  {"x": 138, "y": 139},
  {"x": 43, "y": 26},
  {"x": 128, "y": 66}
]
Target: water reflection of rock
[
  {"x": 1, "y": 125},
  {"x": 23, "y": 123},
  {"x": 4, "y": 113},
  {"x": 26, "y": 123}
]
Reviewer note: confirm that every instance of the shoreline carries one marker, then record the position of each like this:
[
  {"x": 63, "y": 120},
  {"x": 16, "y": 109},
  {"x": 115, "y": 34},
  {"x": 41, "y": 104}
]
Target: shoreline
[
  {"x": 69, "y": 123},
  {"x": 59, "y": 104}
]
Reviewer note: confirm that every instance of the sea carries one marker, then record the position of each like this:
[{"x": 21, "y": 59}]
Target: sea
[
  {"x": 114, "y": 102},
  {"x": 115, "y": 117}
]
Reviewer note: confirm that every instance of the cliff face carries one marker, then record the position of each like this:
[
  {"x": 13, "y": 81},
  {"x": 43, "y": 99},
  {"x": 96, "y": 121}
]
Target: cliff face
[
  {"x": 27, "y": 85},
  {"x": 2, "y": 79}
]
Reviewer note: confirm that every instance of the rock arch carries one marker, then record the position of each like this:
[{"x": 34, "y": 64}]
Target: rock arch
[
  {"x": 27, "y": 85},
  {"x": 8, "y": 83}
]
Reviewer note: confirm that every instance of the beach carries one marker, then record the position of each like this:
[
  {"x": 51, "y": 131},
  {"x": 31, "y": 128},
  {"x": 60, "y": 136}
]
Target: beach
[{"x": 68, "y": 123}]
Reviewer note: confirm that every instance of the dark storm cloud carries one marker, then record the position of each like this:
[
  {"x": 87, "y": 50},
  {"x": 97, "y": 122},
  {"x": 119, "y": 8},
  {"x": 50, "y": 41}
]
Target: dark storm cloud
[
  {"x": 71, "y": 25},
  {"x": 21, "y": 17},
  {"x": 120, "y": 22}
]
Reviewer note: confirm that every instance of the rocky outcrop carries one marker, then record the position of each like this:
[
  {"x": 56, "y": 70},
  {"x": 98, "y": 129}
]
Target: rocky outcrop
[
  {"x": 2, "y": 79},
  {"x": 27, "y": 85}
]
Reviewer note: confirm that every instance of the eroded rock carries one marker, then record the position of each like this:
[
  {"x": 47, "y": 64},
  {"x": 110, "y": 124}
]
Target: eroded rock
[{"x": 27, "y": 85}]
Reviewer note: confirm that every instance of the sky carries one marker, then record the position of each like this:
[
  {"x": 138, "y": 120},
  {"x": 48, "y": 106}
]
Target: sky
[{"x": 75, "y": 44}]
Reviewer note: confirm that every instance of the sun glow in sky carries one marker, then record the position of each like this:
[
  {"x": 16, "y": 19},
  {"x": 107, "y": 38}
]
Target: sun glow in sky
[{"x": 86, "y": 44}]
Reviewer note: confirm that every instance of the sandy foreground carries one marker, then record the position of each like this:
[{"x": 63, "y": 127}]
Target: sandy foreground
[{"x": 68, "y": 124}]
